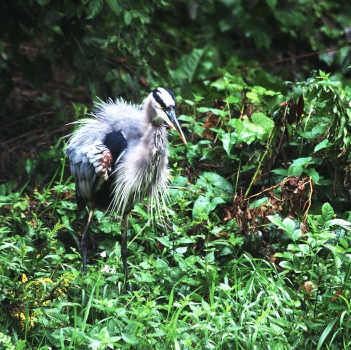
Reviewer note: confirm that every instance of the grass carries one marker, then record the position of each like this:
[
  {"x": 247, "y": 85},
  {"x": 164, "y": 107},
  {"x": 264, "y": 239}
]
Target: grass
[{"x": 184, "y": 297}]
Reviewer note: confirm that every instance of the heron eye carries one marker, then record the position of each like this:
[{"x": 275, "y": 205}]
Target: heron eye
[{"x": 165, "y": 109}]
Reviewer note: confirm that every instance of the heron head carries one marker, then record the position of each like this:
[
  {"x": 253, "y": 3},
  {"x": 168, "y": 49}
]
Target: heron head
[{"x": 164, "y": 104}]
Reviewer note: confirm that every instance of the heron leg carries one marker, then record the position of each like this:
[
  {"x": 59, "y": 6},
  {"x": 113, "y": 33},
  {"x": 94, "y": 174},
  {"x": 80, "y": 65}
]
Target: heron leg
[
  {"x": 85, "y": 242},
  {"x": 125, "y": 250}
]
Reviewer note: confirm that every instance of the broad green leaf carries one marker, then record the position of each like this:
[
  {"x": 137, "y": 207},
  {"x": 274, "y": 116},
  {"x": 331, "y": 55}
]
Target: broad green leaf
[
  {"x": 232, "y": 99},
  {"x": 272, "y": 3},
  {"x": 313, "y": 174},
  {"x": 327, "y": 211},
  {"x": 264, "y": 122},
  {"x": 277, "y": 221},
  {"x": 114, "y": 6},
  {"x": 303, "y": 248},
  {"x": 286, "y": 265},
  {"x": 324, "y": 144},
  {"x": 202, "y": 207},
  {"x": 181, "y": 250},
  {"x": 130, "y": 338},
  {"x": 289, "y": 225},
  {"x": 179, "y": 181},
  {"x": 303, "y": 161},
  {"x": 297, "y": 263},
  {"x": 212, "y": 110},
  {"x": 187, "y": 66},
  {"x": 285, "y": 255},
  {"x": 296, "y": 234},
  {"x": 215, "y": 201},
  {"x": 228, "y": 141},
  {"x": 339, "y": 222},
  {"x": 95, "y": 7},
  {"x": 220, "y": 184},
  {"x": 298, "y": 166},
  {"x": 128, "y": 16},
  {"x": 258, "y": 203},
  {"x": 165, "y": 241},
  {"x": 320, "y": 128},
  {"x": 280, "y": 171},
  {"x": 249, "y": 131},
  {"x": 210, "y": 258}
]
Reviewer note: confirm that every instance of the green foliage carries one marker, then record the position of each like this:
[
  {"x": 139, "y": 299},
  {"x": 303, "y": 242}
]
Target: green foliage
[
  {"x": 113, "y": 47},
  {"x": 217, "y": 190},
  {"x": 249, "y": 253},
  {"x": 195, "y": 283},
  {"x": 319, "y": 262}
]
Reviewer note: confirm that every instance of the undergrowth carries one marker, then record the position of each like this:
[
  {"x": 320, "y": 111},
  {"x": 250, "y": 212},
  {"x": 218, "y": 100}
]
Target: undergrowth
[{"x": 253, "y": 252}]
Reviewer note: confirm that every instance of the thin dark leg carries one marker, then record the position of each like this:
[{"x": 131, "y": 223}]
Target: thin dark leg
[
  {"x": 85, "y": 242},
  {"x": 125, "y": 251}
]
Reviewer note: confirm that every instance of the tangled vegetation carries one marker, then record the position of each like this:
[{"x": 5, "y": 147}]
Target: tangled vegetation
[{"x": 254, "y": 249}]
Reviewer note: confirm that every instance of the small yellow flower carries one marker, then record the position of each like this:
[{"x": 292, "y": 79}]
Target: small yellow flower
[{"x": 24, "y": 278}]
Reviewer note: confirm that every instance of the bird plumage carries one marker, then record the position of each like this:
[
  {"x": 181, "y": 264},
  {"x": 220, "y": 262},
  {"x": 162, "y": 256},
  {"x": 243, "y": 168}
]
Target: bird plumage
[{"x": 120, "y": 156}]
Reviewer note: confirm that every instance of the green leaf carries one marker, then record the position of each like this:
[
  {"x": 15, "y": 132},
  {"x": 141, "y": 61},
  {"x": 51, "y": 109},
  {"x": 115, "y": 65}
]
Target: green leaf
[
  {"x": 285, "y": 255},
  {"x": 202, "y": 207},
  {"x": 249, "y": 131},
  {"x": 95, "y": 7},
  {"x": 232, "y": 99},
  {"x": 128, "y": 16},
  {"x": 114, "y": 6},
  {"x": 289, "y": 225},
  {"x": 290, "y": 229},
  {"x": 215, "y": 111},
  {"x": 296, "y": 235},
  {"x": 286, "y": 265},
  {"x": 272, "y": 3},
  {"x": 165, "y": 241},
  {"x": 298, "y": 166},
  {"x": 187, "y": 67},
  {"x": 280, "y": 171},
  {"x": 228, "y": 141},
  {"x": 324, "y": 144},
  {"x": 258, "y": 203},
  {"x": 327, "y": 211},
  {"x": 215, "y": 201},
  {"x": 130, "y": 338},
  {"x": 339, "y": 222},
  {"x": 326, "y": 333},
  {"x": 218, "y": 183},
  {"x": 313, "y": 174},
  {"x": 276, "y": 221},
  {"x": 264, "y": 122}
]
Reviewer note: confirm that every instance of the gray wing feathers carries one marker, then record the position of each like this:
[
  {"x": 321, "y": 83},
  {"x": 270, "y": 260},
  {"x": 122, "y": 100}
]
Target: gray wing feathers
[
  {"x": 86, "y": 166},
  {"x": 86, "y": 150}
]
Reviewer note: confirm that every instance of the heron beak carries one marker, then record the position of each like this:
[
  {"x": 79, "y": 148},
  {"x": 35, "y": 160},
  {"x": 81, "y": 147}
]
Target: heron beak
[{"x": 173, "y": 123}]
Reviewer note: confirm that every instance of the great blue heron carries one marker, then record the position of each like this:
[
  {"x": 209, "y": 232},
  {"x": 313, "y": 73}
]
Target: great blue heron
[{"x": 120, "y": 156}]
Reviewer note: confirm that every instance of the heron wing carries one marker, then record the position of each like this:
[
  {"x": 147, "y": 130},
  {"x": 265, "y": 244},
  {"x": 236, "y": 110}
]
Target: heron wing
[{"x": 92, "y": 164}]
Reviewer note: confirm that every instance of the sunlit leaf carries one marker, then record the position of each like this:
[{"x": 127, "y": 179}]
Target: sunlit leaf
[
  {"x": 327, "y": 211},
  {"x": 323, "y": 144}
]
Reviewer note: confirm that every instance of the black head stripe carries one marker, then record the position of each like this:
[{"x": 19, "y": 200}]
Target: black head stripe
[
  {"x": 156, "y": 94},
  {"x": 158, "y": 98}
]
